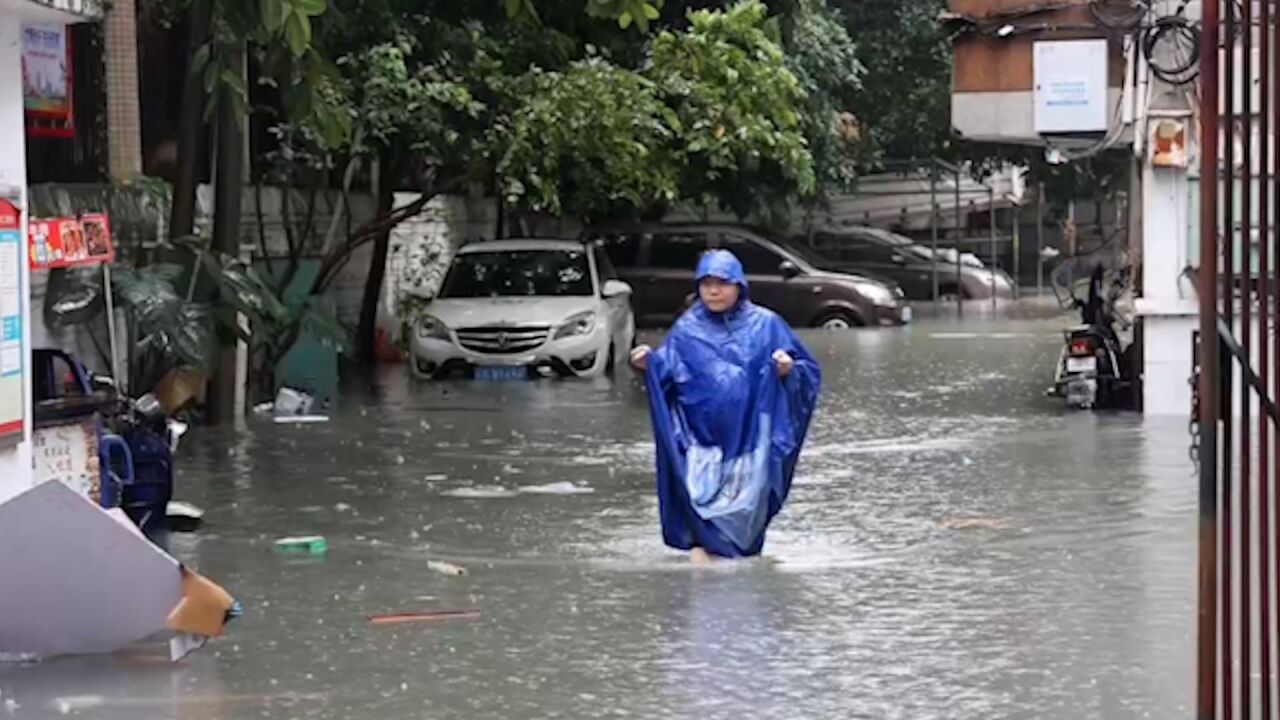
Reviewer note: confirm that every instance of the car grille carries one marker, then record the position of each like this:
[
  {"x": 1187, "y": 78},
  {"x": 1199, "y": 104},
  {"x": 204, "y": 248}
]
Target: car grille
[{"x": 503, "y": 340}]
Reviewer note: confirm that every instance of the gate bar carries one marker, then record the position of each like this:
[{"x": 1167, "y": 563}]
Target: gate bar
[{"x": 1207, "y": 627}]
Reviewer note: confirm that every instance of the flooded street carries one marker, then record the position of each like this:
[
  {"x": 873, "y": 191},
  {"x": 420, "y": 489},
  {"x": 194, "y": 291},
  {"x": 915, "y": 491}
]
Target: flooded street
[{"x": 955, "y": 546}]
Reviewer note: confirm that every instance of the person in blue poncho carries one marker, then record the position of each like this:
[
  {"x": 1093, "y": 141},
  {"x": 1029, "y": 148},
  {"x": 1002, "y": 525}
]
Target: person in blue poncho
[{"x": 731, "y": 394}]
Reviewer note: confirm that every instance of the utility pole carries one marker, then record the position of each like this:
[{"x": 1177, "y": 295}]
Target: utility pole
[
  {"x": 933, "y": 225},
  {"x": 1040, "y": 240}
]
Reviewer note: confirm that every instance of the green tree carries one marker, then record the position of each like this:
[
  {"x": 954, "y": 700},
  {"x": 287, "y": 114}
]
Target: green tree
[
  {"x": 713, "y": 116},
  {"x": 823, "y": 56},
  {"x": 593, "y": 141},
  {"x": 904, "y": 103},
  {"x": 741, "y": 140}
]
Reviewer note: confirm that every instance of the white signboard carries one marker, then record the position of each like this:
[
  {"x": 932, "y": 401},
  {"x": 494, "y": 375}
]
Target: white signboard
[
  {"x": 69, "y": 454},
  {"x": 1071, "y": 86}
]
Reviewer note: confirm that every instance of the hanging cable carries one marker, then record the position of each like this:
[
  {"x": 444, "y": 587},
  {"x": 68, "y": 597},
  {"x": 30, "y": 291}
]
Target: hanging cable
[
  {"x": 1172, "y": 49},
  {"x": 1122, "y": 15}
]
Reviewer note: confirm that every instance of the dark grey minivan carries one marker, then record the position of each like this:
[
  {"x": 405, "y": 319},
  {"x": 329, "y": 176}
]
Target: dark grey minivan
[
  {"x": 905, "y": 262},
  {"x": 658, "y": 262}
]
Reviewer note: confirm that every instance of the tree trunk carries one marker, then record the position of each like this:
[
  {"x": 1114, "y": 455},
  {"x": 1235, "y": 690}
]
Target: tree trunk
[
  {"x": 228, "y": 185},
  {"x": 367, "y": 334},
  {"x": 192, "y": 151}
]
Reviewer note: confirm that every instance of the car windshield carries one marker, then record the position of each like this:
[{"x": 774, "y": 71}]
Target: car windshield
[{"x": 518, "y": 273}]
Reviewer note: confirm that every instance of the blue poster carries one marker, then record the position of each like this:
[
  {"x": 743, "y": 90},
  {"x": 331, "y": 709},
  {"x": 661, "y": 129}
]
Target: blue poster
[{"x": 11, "y": 258}]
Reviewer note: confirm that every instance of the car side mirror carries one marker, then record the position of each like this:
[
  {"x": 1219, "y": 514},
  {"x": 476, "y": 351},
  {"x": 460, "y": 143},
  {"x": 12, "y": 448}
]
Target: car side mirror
[
  {"x": 789, "y": 269},
  {"x": 615, "y": 288}
]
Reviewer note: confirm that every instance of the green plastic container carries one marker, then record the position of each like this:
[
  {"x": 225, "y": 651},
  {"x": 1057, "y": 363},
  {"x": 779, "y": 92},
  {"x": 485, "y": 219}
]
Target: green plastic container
[{"x": 307, "y": 545}]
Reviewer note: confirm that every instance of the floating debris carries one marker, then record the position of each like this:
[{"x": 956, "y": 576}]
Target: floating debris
[
  {"x": 183, "y": 517},
  {"x": 482, "y": 492},
  {"x": 425, "y": 616},
  {"x": 305, "y": 545},
  {"x": 446, "y": 568},
  {"x": 563, "y": 487}
]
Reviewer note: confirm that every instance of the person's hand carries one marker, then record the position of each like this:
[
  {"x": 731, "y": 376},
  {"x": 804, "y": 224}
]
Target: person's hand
[
  {"x": 640, "y": 357},
  {"x": 784, "y": 362}
]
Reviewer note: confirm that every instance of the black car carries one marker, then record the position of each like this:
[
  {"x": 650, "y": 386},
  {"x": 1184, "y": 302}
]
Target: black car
[
  {"x": 658, "y": 262},
  {"x": 906, "y": 262}
]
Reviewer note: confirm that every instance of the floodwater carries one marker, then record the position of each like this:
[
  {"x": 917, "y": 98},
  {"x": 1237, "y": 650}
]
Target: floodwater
[{"x": 956, "y": 546}]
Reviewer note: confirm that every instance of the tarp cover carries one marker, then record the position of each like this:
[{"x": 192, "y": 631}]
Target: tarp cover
[{"x": 728, "y": 430}]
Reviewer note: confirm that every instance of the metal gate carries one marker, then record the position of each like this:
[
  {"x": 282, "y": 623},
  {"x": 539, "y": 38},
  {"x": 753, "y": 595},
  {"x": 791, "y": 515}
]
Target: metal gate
[{"x": 1238, "y": 359}]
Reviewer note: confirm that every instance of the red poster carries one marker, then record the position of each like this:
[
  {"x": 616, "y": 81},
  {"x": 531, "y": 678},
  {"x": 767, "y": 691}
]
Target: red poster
[{"x": 68, "y": 242}]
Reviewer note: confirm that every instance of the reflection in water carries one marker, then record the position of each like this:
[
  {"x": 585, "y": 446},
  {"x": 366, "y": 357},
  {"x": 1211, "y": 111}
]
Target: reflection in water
[{"x": 871, "y": 602}]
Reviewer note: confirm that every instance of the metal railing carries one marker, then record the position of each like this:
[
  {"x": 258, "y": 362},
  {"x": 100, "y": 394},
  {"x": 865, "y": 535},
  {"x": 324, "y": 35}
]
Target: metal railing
[{"x": 1237, "y": 371}]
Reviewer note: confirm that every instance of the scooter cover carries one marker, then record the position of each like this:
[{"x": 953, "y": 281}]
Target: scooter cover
[{"x": 728, "y": 430}]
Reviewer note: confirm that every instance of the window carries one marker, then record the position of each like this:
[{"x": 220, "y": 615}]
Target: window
[
  {"x": 854, "y": 248},
  {"x": 605, "y": 265},
  {"x": 756, "y": 259},
  {"x": 677, "y": 251},
  {"x": 518, "y": 273}
]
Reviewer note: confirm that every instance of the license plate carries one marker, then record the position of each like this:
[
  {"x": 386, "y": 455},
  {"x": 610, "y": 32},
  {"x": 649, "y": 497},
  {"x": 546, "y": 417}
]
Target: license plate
[
  {"x": 502, "y": 372},
  {"x": 1082, "y": 364}
]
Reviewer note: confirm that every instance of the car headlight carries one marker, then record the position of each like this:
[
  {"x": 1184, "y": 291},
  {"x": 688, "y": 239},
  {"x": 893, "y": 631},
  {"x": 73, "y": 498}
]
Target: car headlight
[
  {"x": 876, "y": 293},
  {"x": 432, "y": 328},
  {"x": 580, "y": 324}
]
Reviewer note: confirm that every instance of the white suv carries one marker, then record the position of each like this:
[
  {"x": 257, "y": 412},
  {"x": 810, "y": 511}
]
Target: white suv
[{"x": 510, "y": 309}]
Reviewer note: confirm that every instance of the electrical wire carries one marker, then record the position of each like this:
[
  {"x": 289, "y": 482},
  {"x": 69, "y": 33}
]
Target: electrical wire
[
  {"x": 1180, "y": 64},
  {"x": 1127, "y": 18}
]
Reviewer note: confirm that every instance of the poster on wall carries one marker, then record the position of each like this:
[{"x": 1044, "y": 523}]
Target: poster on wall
[
  {"x": 47, "y": 81},
  {"x": 69, "y": 454},
  {"x": 70, "y": 242},
  {"x": 12, "y": 399}
]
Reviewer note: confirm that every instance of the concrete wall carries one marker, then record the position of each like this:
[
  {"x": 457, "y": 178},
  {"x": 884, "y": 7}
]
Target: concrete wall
[
  {"x": 422, "y": 247},
  {"x": 15, "y": 462},
  {"x": 346, "y": 291},
  {"x": 1168, "y": 308}
]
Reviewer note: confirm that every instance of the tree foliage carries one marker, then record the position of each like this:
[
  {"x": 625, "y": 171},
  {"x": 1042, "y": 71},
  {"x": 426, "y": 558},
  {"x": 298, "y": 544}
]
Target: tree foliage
[
  {"x": 823, "y": 56},
  {"x": 742, "y": 142},
  {"x": 713, "y": 115},
  {"x": 903, "y": 105},
  {"x": 593, "y": 140}
]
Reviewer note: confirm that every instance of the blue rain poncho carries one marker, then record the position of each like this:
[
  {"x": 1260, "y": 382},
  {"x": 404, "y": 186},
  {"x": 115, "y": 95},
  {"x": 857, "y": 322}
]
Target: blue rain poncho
[{"x": 728, "y": 430}]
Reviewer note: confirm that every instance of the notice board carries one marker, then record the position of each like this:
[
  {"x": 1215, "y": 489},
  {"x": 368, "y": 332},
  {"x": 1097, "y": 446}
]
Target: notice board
[
  {"x": 12, "y": 353},
  {"x": 1071, "y": 86}
]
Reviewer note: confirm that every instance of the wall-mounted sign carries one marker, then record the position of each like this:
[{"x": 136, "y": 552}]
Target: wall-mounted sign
[
  {"x": 1071, "y": 86},
  {"x": 12, "y": 353},
  {"x": 70, "y": 242},
  {"x": 69, "y": 454},
  {"x": 47, "y": 81}
]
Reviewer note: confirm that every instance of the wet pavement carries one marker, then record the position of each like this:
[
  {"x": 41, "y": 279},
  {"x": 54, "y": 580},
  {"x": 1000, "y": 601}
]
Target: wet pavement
[{"x": 956, "y": 546}]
